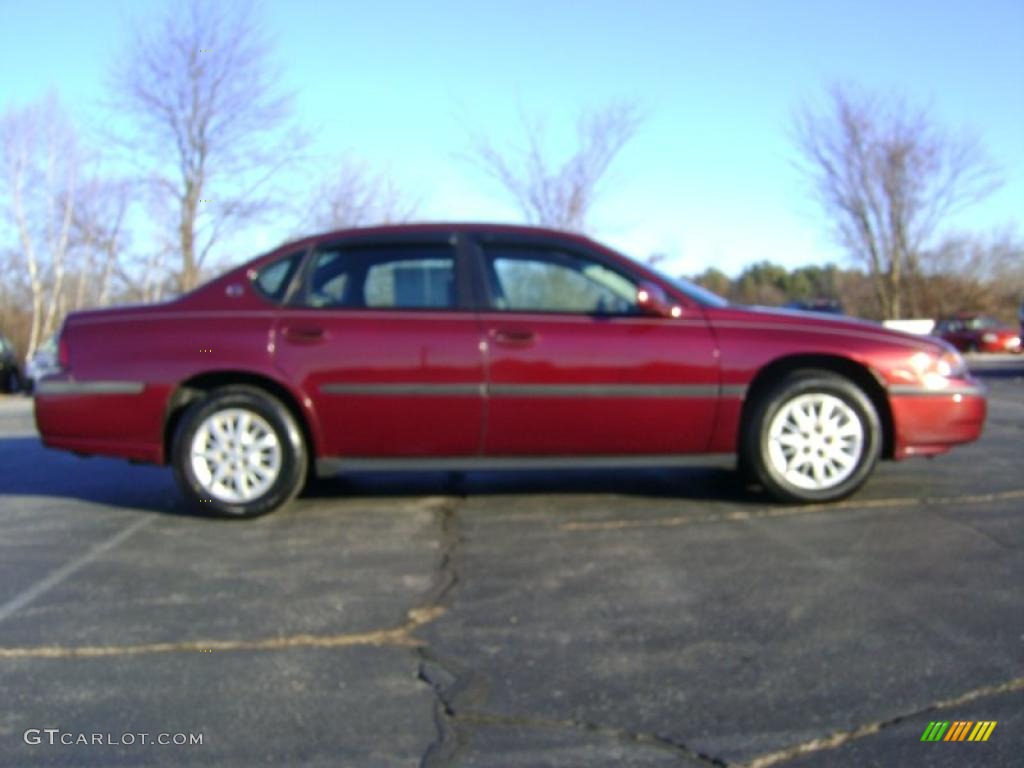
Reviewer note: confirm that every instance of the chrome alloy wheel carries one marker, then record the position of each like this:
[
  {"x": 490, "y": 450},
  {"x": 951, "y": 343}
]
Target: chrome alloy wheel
[
  {"x": 815, "y": 441},
  {"x": 236, "y": 456}
]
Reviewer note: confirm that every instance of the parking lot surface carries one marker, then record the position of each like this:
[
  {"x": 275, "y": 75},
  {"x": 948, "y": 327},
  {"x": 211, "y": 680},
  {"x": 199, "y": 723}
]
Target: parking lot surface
[{"x": 581, "y": 618}]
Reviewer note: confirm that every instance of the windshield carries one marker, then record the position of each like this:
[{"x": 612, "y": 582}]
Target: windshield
[{"x": 701, "y": 295}]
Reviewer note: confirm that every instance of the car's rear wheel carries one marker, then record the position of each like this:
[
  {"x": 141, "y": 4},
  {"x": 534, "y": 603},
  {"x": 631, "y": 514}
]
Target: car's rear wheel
[
  {"x": 814, "y": 436},
  {"x": 238, "y": 452}
]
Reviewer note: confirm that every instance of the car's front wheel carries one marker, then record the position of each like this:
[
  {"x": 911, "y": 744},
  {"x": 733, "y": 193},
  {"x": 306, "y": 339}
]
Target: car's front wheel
[
  {"x": 814, "y": 436},
  {"x": 238, "y": 452}
]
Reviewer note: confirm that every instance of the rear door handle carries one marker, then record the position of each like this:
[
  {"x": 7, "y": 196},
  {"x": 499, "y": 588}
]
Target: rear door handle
[
  {"x": 304, "y": 334},
  {"x": 508, "y": 337}
]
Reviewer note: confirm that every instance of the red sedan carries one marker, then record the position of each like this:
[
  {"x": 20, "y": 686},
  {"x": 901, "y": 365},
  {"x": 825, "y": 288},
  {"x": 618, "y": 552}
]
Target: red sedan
[
  {"x": 978, "y": 333},
  {"x": 472, "y": 346}
]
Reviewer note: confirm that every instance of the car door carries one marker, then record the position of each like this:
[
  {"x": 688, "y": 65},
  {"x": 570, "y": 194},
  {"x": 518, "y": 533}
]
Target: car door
[
  {"x": 574, "y": 367},
  {"x": 383, "y": 341}
]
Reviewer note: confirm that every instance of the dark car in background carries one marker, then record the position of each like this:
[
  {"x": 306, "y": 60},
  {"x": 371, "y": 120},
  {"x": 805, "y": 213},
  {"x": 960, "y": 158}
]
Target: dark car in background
[
  {"x": 828, "y": 306},
  {"x": 973, "y": 332},
  {"x": 10, "y": 373}
]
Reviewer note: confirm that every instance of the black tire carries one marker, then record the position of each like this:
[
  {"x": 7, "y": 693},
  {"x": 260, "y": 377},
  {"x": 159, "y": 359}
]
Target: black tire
[
  {"x": 763, "y": 453},
  {"x": 293, "y": 458}
]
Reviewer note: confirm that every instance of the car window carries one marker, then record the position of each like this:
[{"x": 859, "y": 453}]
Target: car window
[
  {"x": 385, "y": 277},
  {"x": 273, "y": 279},
  {"x": 548, "y": 280},
  {"x": 982, "y": 323}
]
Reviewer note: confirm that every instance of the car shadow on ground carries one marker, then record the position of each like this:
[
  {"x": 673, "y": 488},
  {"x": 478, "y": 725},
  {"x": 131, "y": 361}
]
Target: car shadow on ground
[
  {"x": 29, "y": 469},
  {"x": 691, "y": 483}
]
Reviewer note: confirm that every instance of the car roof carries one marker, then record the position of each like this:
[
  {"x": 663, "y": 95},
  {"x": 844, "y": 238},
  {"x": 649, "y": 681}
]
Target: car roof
[{"x": 434, "y": 228}]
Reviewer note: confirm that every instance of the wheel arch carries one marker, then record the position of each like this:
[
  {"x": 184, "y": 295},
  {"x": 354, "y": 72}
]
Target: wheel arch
[
  {"x": 861, "y": 375},
  {"x": 197, "y": 386}
]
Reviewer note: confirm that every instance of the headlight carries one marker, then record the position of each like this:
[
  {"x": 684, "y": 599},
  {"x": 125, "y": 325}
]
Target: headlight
[
  {"x": 950, "y": 365},
  {"x": 935, "y": 369}
]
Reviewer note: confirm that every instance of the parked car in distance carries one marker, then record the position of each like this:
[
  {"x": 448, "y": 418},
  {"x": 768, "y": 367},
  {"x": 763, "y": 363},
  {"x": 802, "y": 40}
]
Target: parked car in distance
[
  {"x": 829, "y": 306},
  {"x": 42, "y": 363},
  {"x": 470, "y": 346},
  {"x": 970, "y": 332},
  {"x": 10, "y": 375}
]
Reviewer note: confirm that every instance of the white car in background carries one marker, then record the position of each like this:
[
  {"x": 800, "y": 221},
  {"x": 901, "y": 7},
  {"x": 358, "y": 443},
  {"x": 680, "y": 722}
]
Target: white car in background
[{"x": 42, "y": 363}]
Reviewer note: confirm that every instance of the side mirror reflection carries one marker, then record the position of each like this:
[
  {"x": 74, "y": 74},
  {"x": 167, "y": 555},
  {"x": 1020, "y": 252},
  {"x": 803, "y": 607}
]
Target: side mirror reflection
[{"x": 652, "y": 301}]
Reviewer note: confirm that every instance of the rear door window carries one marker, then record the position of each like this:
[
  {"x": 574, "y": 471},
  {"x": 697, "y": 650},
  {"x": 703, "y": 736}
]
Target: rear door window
[{"x": 402, "y": 276}]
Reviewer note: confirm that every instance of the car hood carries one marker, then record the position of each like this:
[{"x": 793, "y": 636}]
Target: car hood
[{"x": 821, "y": 322}]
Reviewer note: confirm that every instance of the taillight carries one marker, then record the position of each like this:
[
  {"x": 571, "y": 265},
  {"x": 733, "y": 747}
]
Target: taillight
[{"x": 63, "y": 354}]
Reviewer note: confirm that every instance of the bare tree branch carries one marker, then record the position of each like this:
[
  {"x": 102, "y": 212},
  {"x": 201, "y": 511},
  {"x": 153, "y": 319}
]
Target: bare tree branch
[
  {"x": 211, "y": 127},
  {"x": 559, "y": 194},
  {"x": 353, "y": 195},
  {"x": 888, "y": 179},
  {"x": 40, "y": 170}
]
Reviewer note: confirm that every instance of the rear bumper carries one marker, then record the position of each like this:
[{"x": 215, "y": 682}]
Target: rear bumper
[
  {"x": 928, "y": 422},
  {"x": 103, "y": 417}
]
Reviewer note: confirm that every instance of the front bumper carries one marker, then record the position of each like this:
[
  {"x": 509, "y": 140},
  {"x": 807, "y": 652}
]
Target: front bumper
[{"x": 929, "y": 422}]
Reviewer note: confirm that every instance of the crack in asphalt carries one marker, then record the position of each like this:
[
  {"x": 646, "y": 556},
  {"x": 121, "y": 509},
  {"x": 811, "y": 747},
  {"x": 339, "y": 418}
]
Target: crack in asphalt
[
  {"x": 790, "y": 511},
  {"x": 652, "y": 740},
  {"x": 445, "y": 677},
  {"x": 400, "y": 636},
  {"x": 458, "y": 689},
  {"x": 839, "y": 738},
  {"x": 657, "y": 741}
]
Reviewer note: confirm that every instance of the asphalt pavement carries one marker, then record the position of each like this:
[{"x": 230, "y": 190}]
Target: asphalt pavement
[{"x": 582, "y": 618}]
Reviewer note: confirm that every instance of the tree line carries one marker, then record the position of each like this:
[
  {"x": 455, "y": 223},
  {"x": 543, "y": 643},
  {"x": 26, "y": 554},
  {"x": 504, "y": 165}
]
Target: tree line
[
  {"x": 967, "y": 274},
  {"x": 198, "y": 132}
]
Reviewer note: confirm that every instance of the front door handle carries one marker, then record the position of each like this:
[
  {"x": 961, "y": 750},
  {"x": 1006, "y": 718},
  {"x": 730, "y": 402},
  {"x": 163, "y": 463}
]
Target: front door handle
[
  {"x": 513, "y": 337},
  {"x": 304, "y": 334}
]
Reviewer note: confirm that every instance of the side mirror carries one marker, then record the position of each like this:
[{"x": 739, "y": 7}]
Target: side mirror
[{"x": 652, "y": 300}]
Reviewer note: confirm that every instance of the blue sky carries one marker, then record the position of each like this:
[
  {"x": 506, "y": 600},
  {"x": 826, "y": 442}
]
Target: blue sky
[{"x": 708, "y": 180}]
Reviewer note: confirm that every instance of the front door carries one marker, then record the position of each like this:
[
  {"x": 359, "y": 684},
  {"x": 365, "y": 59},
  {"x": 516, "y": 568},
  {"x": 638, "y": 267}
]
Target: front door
[
  {"x": 380, "y": 342},
  {"x": 574, "y": 367}
]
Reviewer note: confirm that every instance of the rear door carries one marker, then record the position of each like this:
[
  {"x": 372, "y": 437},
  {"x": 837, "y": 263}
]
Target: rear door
[
  {"x": 383, "y": 340},
  {"x": 575, "y": 368}
]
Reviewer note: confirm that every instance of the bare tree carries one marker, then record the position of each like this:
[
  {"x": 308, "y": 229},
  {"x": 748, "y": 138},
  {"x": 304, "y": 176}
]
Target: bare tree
[
  {"x": 41, "y": 166},
  {"x": 968, "y": 272},
  {"x": 99, "y": 238},
  {"x": 211, "y": 127},
  {"x": 888, "y": 178},
  {"x": 549, "y": 192},
  {"x": 355, "y": 196}
]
